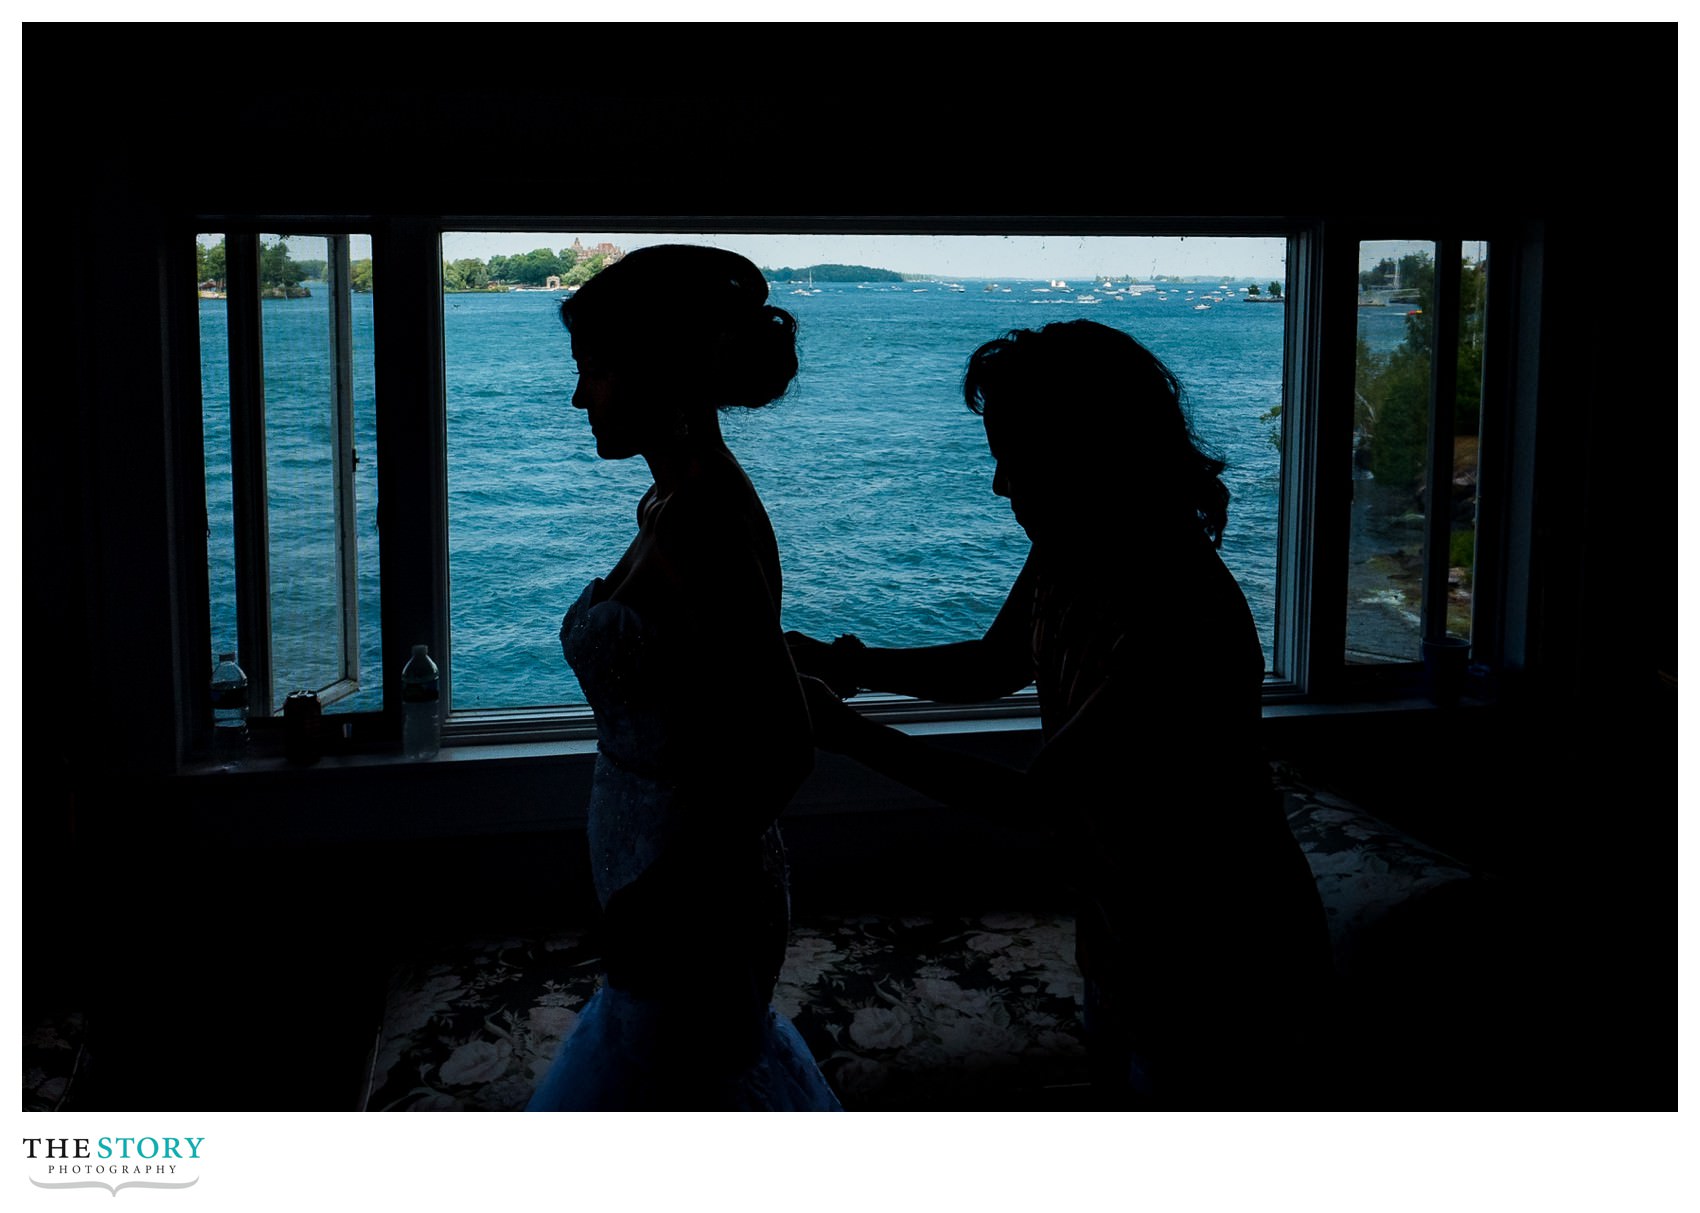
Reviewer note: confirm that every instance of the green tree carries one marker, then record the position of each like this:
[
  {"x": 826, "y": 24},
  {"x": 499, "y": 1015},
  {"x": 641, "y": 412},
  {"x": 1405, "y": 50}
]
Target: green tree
[
  {"x": 360, "y": 276},
  {"x": 1275, "y": 289},
  {"x": 1393, "y": 391},
  {"x": 584, "y": 271},
  {"x": 466, "y": 274},
  {"x": 277, "y": 269},
  {"x": 1252, "y": 291},
  {"x": 525, "y": 269},
  {"x": 1380, "y": 275},
  {"x": 1392, "y": 411},
  {"x": 209, "y": 263}
]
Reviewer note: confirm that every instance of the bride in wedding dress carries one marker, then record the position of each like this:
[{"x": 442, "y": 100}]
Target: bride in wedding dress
[{"x": 702, "y": 729}]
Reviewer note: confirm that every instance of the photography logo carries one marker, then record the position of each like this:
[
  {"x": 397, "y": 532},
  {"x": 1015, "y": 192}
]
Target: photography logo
[{"x": 113, "y": 1163}]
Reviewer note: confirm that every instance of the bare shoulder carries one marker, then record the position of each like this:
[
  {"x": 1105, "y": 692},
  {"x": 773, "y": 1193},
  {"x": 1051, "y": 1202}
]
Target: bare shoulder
[{"x": 712, "y": 533}]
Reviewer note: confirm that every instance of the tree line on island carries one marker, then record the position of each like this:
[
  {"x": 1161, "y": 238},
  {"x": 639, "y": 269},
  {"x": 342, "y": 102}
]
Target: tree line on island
[{"x": 283, "y": 276}]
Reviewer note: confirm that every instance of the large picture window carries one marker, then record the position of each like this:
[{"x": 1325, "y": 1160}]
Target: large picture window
[
  {"x": 876, "y": 475},
  {"x": 496, "y": 509}
]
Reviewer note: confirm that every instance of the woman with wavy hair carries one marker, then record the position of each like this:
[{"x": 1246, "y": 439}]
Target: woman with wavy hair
[{"x": 1200, "y": 934}]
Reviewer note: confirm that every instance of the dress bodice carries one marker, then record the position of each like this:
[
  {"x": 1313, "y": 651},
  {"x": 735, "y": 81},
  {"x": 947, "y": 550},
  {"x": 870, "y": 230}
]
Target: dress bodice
[
  {"x": 629, "y": 667},
  {"x": 620, "y": 663},
  {"x": 676, "y": 1025}
]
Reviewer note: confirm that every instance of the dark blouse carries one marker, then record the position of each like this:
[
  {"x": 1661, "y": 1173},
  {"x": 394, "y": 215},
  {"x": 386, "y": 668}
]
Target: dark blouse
[{"x": 1193, "y": 891}]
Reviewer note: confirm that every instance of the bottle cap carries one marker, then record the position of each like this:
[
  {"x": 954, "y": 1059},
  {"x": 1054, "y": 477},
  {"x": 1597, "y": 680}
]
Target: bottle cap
[
  {"x": 227, "y": 656},
  {"x": 419, "y": 650}
]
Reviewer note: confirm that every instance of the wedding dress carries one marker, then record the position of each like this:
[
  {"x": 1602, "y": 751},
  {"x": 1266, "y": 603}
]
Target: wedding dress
[{"x": 695, "y": 1030}]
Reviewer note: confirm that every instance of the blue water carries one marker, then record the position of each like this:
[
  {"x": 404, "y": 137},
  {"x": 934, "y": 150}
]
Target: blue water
[{"x": 875, "y": 474}]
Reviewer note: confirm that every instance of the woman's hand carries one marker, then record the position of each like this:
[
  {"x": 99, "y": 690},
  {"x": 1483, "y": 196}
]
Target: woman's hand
[{"x": 832, "y": 663}]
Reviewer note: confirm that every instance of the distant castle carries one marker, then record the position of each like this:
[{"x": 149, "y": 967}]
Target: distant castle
[{"x": 610, "y": 253}]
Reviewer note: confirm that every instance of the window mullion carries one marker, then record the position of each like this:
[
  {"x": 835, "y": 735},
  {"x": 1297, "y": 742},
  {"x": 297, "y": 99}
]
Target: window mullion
[
  {"x": 248, "y": 468},
  {"x": 412, "y": 453},
  {"x": 1443, "y": 394},
  {"x": 1293, "y": 609},
  {"x": 342, "y": 395},
  {"x": 1496, "y": 501},
  {"x": 1328, "y": 457},
  {"x": 190, "y": 521}
]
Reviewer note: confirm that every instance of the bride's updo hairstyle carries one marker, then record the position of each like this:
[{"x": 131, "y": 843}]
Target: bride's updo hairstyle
[{"x": 690, "y": 319}]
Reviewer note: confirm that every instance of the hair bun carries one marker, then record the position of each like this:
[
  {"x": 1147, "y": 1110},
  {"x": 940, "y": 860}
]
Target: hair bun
[{"x": 694, "y": 312}]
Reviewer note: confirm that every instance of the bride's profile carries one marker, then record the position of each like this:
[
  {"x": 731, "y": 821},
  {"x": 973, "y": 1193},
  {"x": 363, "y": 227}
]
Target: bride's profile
[{"x": 679, "y": 638}]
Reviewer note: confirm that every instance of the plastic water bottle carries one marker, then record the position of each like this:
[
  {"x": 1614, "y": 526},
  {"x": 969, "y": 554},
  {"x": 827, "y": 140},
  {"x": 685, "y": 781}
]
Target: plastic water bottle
[
  {"x": 230, "y": 708},
  {"x": 421, "y": 722}
]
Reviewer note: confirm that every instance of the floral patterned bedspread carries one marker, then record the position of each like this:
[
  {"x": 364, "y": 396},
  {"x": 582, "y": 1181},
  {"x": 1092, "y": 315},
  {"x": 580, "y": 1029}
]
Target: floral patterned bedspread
[
  {"x": 956, "y": 1013},
  {"x": 905, "y": 1012}
]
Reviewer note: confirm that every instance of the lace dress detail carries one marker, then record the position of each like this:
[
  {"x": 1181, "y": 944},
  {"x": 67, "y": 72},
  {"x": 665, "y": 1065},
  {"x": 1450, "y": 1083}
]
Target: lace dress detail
[{"x": 685, "y": 1047}]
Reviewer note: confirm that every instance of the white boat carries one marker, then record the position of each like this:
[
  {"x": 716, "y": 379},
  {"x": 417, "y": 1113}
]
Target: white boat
[{"x": 1201, "y": 307}]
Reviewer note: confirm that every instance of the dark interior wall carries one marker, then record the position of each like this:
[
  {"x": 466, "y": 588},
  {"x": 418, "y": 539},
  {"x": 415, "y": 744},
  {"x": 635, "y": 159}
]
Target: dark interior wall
[{"x": 1570, "y": 784}]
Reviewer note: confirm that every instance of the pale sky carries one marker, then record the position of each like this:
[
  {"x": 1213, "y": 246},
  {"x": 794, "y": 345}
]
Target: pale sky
[
  {"x": 1077, "y": 258},
  {"x": 1019, "y": 257}
]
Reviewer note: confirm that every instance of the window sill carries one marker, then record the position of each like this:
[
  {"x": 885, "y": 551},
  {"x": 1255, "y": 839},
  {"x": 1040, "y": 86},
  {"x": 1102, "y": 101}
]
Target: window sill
[
  {"x": 941, "y": 723},
  {"x": 542, "y": 785}
]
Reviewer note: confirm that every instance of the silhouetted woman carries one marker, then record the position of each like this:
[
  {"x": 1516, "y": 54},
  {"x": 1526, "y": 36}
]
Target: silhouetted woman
[
  {"x": 1200, "y": 934},
  {"x": 679, "y": 640}
]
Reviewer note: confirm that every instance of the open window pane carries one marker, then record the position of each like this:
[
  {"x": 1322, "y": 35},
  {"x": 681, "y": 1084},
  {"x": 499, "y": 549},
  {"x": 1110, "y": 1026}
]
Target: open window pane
[
  {"x": 286, "y": 417},
  {"x": 875, "y": 474},
  {"x": 1390, "y": 452},
  {"x": 303, "y": 437},
  {"x": 1402, "y": 455}
]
